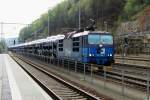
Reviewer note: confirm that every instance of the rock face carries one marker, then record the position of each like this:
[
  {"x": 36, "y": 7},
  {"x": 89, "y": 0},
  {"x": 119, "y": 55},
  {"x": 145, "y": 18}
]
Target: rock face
[
  {"x": 137, "y": 33},
  {"x": 140, "y": 25},
  {"x": 129, "y": 27},
  {"x": 144, "y": 20}
]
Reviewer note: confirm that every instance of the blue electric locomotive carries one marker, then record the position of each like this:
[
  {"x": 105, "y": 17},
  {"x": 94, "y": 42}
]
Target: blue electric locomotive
[
  {"x": 88, "y": 47},
  {"x": 98, "y": 48},
  {"x": 85, "y": 46}
]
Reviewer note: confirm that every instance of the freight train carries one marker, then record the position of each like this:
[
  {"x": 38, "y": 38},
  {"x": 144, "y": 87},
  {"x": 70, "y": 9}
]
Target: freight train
[{"x": 85, "y": 46}]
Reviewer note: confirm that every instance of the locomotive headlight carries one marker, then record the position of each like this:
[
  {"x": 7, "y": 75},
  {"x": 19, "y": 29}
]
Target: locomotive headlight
[
  {"x": 90, "y": 55},
  {"x": 110, "y": 55},
  {"x": 100, "y": 45}
]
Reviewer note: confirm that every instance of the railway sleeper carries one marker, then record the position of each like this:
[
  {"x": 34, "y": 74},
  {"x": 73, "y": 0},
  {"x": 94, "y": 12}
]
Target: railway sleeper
[
  {"x": 60, "y": 88},
  {"x": 70, "y": 98},
  {"x": 66, "y": 94},
  {"x": 65, "y": 91}
]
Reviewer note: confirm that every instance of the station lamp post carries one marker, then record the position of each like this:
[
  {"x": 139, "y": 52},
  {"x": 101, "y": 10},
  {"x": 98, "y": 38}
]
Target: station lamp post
[
  {"x": 1, "y": 31},
  {"x": 48, "y": 20},
  {"x": 48, "y": 24},
  {"x": 79, "y": 14},
  {"x": 106, "y": 25}
]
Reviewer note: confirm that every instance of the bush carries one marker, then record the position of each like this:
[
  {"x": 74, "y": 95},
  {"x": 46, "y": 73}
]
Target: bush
[
  {"x": 1, "y": 47},
  {"x": 134, "y": 6}
]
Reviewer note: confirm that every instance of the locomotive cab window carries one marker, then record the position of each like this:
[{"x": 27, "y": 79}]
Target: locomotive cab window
[
  {"x": 94, "y": 39},
  {"x": 100, "y": 39},
  {"x": 107, "y": 39}
]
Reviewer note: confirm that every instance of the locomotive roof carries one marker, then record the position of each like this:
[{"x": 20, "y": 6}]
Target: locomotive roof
[
  {"x": 89, "y": 32},
  {"x": 58, "y": 37}
]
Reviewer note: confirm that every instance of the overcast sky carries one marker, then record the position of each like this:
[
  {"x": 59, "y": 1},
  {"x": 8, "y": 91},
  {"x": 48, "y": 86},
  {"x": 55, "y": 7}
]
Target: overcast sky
[{"x": 22, "y": 11}]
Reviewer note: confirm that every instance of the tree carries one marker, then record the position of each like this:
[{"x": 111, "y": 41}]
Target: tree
[
  {"x": 134, "y": 6},
  {"x": 1, "y": 47},
  {"x": 66, "y": 15}
]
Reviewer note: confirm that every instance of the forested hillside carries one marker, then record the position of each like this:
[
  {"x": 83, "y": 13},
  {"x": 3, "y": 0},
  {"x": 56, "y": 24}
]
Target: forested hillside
[
  {"x": 66, "y": 15},
  {"x": 1, "y": 47}
]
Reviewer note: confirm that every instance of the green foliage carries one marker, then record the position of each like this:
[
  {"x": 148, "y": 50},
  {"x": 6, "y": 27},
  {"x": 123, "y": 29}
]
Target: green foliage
[
  {"x": 147, "y": 2},
  {"x": 134, "y": 6},
  {"x": 65, "y": 15},
  {"x": 1, "y": 47}
]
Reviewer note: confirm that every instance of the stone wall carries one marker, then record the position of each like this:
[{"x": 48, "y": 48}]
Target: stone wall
[{"x": 129, "y": 27}]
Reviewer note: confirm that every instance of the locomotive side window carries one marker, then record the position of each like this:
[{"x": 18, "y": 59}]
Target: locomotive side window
[
  {"x": 84, "y": 41},
  {"x": 54, "y": 46},
  {"x": 60, "y": 49},
  {"x": 75, "y": 44},
  {"x": 76, "y": 39},
  {"x": 60, "y": 45},
  {"x": 75, "y": 49}
]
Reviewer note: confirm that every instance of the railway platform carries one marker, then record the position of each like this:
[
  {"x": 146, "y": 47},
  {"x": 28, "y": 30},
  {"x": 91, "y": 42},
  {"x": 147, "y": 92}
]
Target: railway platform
[{"x": 15, "y": 84}]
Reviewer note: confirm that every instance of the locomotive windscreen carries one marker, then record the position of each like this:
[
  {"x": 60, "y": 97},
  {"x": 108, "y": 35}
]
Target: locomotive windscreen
[{"x": 100, "y": 39}]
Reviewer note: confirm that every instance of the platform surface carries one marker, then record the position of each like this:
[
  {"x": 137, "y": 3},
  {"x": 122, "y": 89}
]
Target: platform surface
[{"x": 15, "y": 84}]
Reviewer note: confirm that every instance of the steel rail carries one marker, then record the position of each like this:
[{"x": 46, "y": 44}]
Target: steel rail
[{"x": 74, "y": 88}]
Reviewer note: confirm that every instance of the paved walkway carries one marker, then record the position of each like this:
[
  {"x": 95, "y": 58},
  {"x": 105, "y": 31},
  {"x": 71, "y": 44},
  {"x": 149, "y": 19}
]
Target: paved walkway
[
  {"x": 15, "y": 84},
  {"x": 6, "y": 92}
]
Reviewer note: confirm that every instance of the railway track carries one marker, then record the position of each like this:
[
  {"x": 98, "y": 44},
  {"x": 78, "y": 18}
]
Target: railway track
[
  {"x": 138, "y": 61},
  {"x": 134, "y": 76},
  {"x": 131, "y": 76},
  {"x": 56, "y": 87},
  {"x": 129, "y": 66},
  {"x": 133, "y": 58}
]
